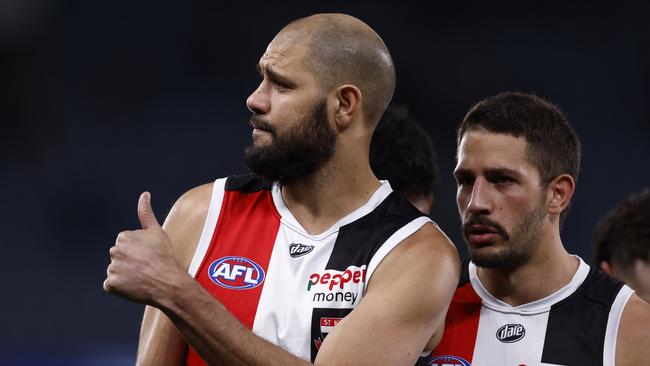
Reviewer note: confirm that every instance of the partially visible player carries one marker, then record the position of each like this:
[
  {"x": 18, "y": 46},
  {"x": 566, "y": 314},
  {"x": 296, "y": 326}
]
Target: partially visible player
[
  {"x": 522, "y": 298},
  {"x": 401, "y": 152},
  {"x": 622, "y": 243}
]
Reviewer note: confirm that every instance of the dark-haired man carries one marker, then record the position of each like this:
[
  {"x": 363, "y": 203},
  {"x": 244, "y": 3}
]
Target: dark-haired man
[
  {"x": 311, "y": 259},
  {"x": 622, "y": 243},
  {"x": 402, "y": 153},
  {"x": 522, "y": 299}
]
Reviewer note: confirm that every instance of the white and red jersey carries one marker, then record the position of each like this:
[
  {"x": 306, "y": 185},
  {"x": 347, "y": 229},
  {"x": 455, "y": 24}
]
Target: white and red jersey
[
  {"x": 577, "y": 325},
  {"x": 288, "y": 286}
]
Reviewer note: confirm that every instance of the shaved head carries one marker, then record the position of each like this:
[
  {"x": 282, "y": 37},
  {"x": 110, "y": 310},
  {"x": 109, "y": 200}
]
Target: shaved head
[{"x": 344, "y": 50}]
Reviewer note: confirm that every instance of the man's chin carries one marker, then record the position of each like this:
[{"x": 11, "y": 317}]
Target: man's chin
[
  {"x": 486, "y": 256},
  {"x": 497, "y": 257}
]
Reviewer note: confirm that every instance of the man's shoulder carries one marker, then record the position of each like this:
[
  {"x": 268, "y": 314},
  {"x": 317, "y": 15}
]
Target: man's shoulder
[
  {"x": 600, "y": 288},
  {"x": 432, "y": 240},
  {"x": 196, "y": 201},
  {"x": 429, "y": 250},
  {"x": 193, "y": 202},
  {"x": 633, "y": 339}
]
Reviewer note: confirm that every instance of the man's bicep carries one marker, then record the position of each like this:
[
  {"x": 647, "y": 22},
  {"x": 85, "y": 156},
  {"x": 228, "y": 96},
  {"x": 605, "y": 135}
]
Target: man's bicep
[
  {"x": 185, "y": 222},
  {"x": 404, "y": 307},
  {"x": 375, "y": 334},
  {"x": 160, "y": 343}
]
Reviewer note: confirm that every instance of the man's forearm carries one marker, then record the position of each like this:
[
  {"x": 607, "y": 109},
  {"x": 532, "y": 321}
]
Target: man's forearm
[{"x": 215, "y": 334}]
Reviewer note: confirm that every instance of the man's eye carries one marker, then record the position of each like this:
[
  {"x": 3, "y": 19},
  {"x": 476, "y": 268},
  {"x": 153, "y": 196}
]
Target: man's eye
[
  {"x": 280, "y": 85},
  {"x": 503, "y": 179}
]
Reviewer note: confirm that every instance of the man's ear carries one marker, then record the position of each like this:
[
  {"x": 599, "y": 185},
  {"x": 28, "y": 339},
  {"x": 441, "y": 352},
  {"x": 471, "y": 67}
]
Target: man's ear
[
  {"x": 348, "y": 98},
  {"x": 561, "y": 191}
]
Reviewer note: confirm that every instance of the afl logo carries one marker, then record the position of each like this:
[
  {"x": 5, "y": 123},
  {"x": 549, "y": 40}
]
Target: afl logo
[
  {"x": 448, "y": 361},
  {"x": 236, "y": 273},
  {"x": 511, "y": 333}
]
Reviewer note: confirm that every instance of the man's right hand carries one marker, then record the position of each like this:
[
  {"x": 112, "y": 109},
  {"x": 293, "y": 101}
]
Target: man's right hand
[{"x": 143, "y": 267}]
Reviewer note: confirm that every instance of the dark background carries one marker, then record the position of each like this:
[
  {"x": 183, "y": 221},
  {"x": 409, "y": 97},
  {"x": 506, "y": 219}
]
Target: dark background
[{"x": 102, "y": 100}]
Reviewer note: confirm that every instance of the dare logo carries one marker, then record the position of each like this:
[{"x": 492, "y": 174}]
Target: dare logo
[
  {"x": 298, "y": 250},
  {"x": 511, "y": 333},
  {"x": 236, "y": 273}
]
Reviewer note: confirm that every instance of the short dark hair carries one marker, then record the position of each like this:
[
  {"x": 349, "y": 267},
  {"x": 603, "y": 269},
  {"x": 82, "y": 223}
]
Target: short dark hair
[
  {"x": 401, "y": 152},
  {"x": 552, "y": 145},
  {"x": 623, "y": 235}
]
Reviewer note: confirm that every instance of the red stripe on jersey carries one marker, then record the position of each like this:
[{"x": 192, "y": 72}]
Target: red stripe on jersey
[
  {"x": 461, "y": 325},
  {"x": 247, "y": 227}
]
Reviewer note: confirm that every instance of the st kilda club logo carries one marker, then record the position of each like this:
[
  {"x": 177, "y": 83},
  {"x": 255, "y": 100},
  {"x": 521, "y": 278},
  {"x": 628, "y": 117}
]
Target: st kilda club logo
[
  {"x": 298, "y": 250},
  {"x": 448, "y": 360},
  {"x": 236, "y": 273}
]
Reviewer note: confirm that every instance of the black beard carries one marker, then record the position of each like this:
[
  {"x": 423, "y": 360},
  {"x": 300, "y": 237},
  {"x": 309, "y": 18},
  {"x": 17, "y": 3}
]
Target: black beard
[
  {"x": 518, "y": 246},
  {"x": 298, "y": 153}
]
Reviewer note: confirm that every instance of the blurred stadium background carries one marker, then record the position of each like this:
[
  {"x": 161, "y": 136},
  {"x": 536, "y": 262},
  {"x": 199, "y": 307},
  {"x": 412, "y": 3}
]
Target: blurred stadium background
[{"x": 102, "y": 100}]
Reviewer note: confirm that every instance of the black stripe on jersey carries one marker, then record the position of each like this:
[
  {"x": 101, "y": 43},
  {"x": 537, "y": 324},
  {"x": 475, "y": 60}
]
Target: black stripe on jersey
[
  {"x": 358, "y": 241},
  {"x": 317, "y": 334},
  {"x": 247, "y": 183},
  {"x": 464, "y": 273},
  {"x": 575, "y": 334}
]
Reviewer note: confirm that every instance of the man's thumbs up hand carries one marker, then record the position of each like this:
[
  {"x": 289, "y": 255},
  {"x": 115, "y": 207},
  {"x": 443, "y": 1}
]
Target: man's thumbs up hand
[
  {"x": 143, "y": 265},
  {"x": 145, "y": 212}
]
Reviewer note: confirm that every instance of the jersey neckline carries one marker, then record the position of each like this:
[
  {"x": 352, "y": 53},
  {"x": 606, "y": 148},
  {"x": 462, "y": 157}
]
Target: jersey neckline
[
  {"x": 287, "y": 217},
  {"x": 534, "y": 307}
]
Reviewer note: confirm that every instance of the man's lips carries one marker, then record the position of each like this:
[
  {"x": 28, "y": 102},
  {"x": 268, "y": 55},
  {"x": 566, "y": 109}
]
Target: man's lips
[
  {"x": 258, "y": 132},
  {"x": 260, "y": 128},
  {"x": 481, "y": 234},
  {"x": 478, "y": 228},
  {"x": 259, "y": 124},
  {"x": 256, "y": 126}
]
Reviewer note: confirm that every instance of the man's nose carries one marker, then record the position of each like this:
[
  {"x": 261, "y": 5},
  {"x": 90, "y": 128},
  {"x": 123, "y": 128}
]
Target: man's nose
[
  {"x": 259, "y": 102},
  {"x": 480, "y": 202}
]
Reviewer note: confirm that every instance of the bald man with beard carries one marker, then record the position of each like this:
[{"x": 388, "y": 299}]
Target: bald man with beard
[{"x": 309, "y": 259}]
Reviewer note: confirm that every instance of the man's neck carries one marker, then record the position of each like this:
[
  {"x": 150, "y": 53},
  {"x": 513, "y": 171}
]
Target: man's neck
[
  {"x": 549, "y": 269},
  {"x": 319, "y": 201}
]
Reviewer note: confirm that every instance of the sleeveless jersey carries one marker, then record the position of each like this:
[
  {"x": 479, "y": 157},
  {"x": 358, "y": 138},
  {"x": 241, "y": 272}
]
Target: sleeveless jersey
[
  {"x": 290, "y": 287},
  {"x": 577, "y": 325}
]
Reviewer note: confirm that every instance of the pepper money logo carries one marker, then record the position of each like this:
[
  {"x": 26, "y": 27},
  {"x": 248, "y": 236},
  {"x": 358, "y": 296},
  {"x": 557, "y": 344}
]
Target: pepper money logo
[
  {"x": 236, "y": 273},
  {"x": 332, "y": 286}
]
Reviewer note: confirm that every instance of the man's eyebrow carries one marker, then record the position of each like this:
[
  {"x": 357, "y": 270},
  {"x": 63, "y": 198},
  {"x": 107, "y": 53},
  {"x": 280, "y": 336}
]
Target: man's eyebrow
[
  {"x": 489, "y": 171},
  {"x": 273, "y": 75},
  {"x": 501, "y": 171},
  {"x": 461, "y": 172}
]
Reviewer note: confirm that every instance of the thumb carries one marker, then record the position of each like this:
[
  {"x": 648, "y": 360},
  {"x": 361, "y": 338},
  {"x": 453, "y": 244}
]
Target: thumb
[{"x": 145, "y": 212}]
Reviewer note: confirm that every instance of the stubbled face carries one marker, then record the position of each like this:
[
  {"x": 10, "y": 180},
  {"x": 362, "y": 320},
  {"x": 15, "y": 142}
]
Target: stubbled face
[
  {"x": 500, "y": 199},
  {"x": 291, "y": 137}
]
